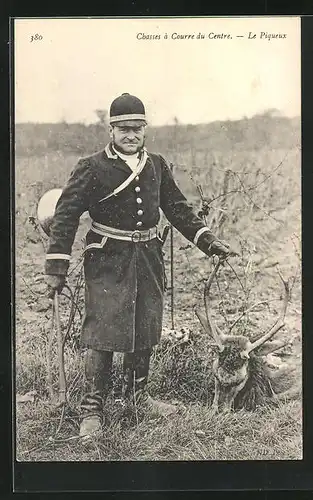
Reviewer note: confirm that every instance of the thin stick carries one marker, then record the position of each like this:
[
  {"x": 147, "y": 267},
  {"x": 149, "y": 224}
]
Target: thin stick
[
  {"x": 35, "y": 294},
  {"x": 73, "y": 302},
  {"x": 80, "y": 260},
  {"x": 49, "y": 355},
  {"x": 204, "y": 204},
  {"x": 134, "y": 397},
  {"x": 62, "y": 379},
  {"x": 60, "y": 422},
  {"x": 235, "y": 273},
  {"x": 172, "y": 276},
  {"x": 74, "y": 306},
  {"x": 280, "y": 323},
  {"x": 247, "y": 311},
  {"x": 172, "y": 266},
  {"x": 37, "y": 448},
  {"x": 36, "y": 224},
  {"x": 250, "y": 188}
]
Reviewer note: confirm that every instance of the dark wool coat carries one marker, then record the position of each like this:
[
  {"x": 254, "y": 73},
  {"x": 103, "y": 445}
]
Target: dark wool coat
[{"x": 124, "y": 280}]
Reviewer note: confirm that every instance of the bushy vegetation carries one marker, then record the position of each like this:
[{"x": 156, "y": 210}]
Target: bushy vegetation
[{"x": 274, "y": 132}]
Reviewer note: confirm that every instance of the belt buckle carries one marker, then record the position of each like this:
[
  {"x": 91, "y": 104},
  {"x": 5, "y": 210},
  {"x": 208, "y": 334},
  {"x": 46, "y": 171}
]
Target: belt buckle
[{"x": 136, "y": 236}]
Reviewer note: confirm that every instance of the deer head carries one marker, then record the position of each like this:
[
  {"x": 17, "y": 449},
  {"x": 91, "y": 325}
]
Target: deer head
[{"x": 234, "y": 353}]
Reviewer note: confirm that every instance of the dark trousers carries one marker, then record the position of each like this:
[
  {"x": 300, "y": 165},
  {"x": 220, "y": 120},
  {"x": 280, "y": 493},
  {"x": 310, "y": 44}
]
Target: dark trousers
[{"x": 98, "y": 370}]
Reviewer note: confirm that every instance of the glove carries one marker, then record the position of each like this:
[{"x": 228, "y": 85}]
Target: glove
[
  {"x": 55, "y": 282},
  {"x": 215, "y": 247},
  {"x": 220, "y": 248}
]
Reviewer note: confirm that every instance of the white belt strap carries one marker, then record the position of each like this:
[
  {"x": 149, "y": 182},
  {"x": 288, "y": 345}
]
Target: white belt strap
[
  {"x": 120, "y": 234},
  {"x": 129, "y": 179}
]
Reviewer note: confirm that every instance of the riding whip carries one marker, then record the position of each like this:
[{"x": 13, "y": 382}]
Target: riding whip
[
  {"x": 60, "y": 344},
  {"x": 172, "y": 265},
  {"x": 45, "y": 212}
]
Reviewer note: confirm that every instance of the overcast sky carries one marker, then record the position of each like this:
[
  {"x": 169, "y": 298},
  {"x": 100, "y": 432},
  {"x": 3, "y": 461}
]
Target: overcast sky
[{"x": 81, "y": 65}]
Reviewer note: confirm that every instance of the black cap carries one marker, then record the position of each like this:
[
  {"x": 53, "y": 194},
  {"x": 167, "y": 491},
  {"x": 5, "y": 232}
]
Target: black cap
[{"x": 127, "y": 107}]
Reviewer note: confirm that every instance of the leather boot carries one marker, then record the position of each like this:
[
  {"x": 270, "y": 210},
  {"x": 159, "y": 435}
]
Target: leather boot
[
  {"x": 156, "y": 406},
  {"x": 90, "y": 428},
  {"x": 98, "y": 367},
  {"x": 136, "y": 371}
]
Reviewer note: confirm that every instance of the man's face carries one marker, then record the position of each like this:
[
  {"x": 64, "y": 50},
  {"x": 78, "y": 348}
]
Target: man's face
[{"x": 128, "y": 136}]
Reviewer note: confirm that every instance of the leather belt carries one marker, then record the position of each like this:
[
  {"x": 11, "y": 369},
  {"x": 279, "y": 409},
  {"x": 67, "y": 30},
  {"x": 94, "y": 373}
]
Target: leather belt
[{"x": 119, "y": 234}]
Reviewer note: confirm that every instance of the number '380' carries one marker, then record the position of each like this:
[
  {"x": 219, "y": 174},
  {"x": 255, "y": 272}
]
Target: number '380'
[{"x": 36, "y": 37}]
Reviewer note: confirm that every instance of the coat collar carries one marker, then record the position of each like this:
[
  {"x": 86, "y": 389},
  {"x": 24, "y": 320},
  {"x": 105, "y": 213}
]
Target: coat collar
[{"x": 121, "y": 164}]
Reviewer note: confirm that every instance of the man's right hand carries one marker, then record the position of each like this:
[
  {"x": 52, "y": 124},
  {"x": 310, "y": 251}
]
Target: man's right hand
[{"x": 55, "y": 283}]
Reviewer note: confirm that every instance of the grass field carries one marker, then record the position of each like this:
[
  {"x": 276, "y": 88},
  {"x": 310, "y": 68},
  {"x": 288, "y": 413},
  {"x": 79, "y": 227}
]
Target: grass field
[{"x": 257, "y": 209}]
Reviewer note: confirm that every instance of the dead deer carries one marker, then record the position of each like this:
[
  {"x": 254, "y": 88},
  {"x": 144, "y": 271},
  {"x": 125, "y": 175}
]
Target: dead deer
[{"x": 239, "y": 367}]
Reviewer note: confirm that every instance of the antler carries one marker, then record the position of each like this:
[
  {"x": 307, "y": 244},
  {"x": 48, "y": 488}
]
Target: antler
[
  {"x": 279, "y": 324},
  {"x": 207, "y": 321}
]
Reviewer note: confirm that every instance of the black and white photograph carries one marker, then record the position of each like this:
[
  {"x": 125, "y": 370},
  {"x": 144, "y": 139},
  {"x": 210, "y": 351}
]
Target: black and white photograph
[{"x": 157, "y": 166}]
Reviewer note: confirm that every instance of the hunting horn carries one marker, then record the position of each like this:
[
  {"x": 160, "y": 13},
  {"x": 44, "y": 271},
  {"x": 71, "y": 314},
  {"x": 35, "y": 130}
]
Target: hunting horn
[{"x": 46, "y": 208}]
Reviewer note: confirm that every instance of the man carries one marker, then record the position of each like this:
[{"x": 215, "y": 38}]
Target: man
[{"x": 123, "y": 187}]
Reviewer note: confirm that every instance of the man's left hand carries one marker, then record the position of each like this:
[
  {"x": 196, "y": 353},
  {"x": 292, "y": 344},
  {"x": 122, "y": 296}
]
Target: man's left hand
[
  {"x": 215, "y": 247},
  {"x": 221, "y": 248}
]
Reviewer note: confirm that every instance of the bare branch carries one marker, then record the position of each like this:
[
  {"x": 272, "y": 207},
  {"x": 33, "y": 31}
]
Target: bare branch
[
  {"x": 255, "y": 204},
  {"x": 280, "y": 323},
  {"x": 246, "y": 312},
  {"x": 235, "y": 273},
  {"x": 247, "y": 188}
]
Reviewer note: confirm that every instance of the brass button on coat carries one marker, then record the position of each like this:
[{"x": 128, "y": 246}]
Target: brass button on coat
[
  {"x": 140, "y": 212},
  {"x": 136, "y": 178},
  {"x": 139, "y": 223},
  {"x": 139, "y": 201},
  {"x": 137, "y": 189}
]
